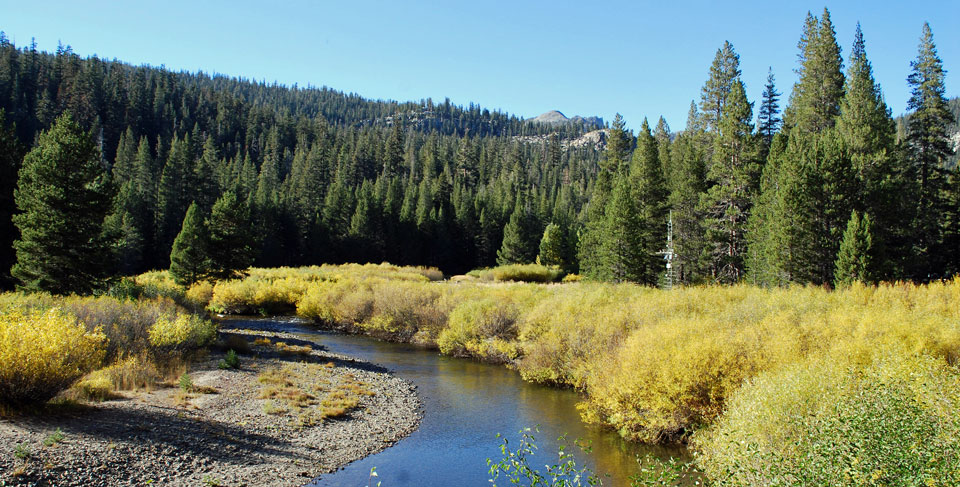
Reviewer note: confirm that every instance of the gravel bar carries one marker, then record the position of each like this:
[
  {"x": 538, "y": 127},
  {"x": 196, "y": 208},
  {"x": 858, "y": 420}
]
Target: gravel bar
[{"x": 222, "y": 438}]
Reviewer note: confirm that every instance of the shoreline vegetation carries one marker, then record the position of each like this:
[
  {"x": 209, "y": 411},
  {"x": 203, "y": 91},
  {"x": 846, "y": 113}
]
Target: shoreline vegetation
[
  {"x": 739, "y": 373},
  {"x": 112, "y": 391},
  {"x": 802, "y": 384}
]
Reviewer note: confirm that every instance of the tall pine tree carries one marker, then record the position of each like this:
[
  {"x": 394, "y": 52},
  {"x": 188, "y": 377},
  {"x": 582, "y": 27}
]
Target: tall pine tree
[
  {"x": 929, "y": 146},
  {"x": 63, "y": 195},
  {"x": 734, "y": 175}
]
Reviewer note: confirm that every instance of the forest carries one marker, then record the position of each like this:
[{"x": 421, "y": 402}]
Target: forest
[
  {"x": 806, "y": 329},
  {"x": 831, "y": 189}
]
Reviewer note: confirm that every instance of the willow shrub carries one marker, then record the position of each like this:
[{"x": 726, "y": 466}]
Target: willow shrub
[
  {"x": 274, "y": 291},
  {"x": 655, "y": 365},
  {"x": 183, "y": 332},
  {"x": 892, "y": 422},
  {"x": 42, "y": 352},
  {"x": 519, "y": 273}
]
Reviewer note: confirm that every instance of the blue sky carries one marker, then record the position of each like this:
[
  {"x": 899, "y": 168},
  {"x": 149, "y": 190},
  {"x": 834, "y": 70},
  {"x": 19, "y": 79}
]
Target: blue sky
[{"x": 639, "y": 58}]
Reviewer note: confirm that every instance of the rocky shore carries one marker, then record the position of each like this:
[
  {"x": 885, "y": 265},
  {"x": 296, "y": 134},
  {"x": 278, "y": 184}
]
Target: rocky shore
[{"x": 224, "y": 433}]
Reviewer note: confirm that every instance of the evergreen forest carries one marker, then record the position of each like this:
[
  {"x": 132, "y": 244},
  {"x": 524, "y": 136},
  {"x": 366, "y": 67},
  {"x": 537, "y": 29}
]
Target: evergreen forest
[{"x": 134, "y": 168}]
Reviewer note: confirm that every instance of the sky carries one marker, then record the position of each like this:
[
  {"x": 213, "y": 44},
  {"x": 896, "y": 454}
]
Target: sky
[{"x": 637, "y": 58}]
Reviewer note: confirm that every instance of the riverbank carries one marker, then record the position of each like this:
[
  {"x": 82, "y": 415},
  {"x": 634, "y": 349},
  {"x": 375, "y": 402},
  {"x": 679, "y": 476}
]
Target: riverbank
[{"x": 291, "y": 412}]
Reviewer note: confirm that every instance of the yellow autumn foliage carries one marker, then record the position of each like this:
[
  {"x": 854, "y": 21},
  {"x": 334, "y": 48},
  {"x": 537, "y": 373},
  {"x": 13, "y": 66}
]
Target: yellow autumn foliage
[
  {"x": 42, "y": 352},
  {"x": 655, "y": 365},
  {"x": 185, "y": 331}
]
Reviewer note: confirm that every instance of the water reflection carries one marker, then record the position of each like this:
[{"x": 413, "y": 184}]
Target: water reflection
[{"x": 466, "y": 404}]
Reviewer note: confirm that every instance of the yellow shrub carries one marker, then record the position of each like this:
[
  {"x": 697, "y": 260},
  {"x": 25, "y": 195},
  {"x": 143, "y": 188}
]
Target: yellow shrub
[
  {"x": 42, "y": 353},
  {"x": 198, "y": 295},
  {"x": 183, "y": 332},
  {"x": 892, "y": 422}
]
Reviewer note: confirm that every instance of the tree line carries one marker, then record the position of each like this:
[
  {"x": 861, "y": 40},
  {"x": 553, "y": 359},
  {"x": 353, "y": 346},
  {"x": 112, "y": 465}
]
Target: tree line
[
  {"x": 832, "y": 191},
  {"x": 211, "y": 174}
]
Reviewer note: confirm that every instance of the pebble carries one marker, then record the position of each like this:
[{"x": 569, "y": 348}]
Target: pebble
[{"x": 145, "y": 438}]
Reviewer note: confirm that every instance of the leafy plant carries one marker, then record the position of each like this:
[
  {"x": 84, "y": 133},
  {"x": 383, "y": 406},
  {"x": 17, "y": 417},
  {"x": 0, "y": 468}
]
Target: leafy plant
[
  {"x": 515, "y": 467},
  {"x": 186, "y": 382},
  {"x": 22, "y": 452},
  {"x": 54, "y": 438},
  {"x": 232, "y": 361}
]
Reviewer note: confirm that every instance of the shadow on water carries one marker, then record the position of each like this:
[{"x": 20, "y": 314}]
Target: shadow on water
[{"x": 466, "y": 404}]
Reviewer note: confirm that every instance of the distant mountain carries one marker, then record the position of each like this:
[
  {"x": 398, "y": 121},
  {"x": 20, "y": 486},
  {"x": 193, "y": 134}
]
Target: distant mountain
[{"x": 556, "y": 117}]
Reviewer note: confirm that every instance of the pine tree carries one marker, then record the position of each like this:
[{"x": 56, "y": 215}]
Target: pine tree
[
  {"x": 808, "y": 203},
  {"x": 929, "y": 147},
  {"x": 815, "y": 102},
  {"x": 950, "y": 225},
  {"x": 63, "y": 195},
  {"x": 619, "y": 144},
  {"x": 189, "y": 258},
  {"x": 734, "y": 175},
  {"x": 689, "y": 182},
  {"x": 623, "y": 248},
  {"x": 172, "y": 202},
  {"x": 232, "y": 243},
  {"x": 520, "y": 242},
  {"x": 365, "y": 230},
  {"x": 868, "y": 132},
  {"x": 768, "y": 115},
  {"x": 854, "y": 260},
  {"x": 650, "y": 192},
  {"x": 205, "y": 189},
  {"x": 557, "y": 247},
  {"x": 10, "y": 157},
  {"x": 724, "y": 70},
  {"x": 393, "y": 152}
]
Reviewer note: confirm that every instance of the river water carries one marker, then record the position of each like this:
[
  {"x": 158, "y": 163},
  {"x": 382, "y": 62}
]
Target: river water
[{"x": 466, "y": 404}]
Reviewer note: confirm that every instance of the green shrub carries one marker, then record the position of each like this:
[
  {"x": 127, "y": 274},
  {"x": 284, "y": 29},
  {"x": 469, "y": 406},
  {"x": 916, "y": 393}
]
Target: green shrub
[
  {"x": 518, "y": 466},
  {"x": 54, "y": 438},
  {"x": 43, "y": 353},
  {"x": 182, "y": 333},
  {"x": 896, "y": 422},
  {"x": 475, "y": 323},
  {"x": 185, "y": 382},
  {"x": 520, "y": 273},
  {"x": 232, "y": 361}
]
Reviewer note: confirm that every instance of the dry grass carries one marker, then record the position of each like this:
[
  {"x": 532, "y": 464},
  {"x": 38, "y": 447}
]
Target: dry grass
[{"x": 305, "y": 390}]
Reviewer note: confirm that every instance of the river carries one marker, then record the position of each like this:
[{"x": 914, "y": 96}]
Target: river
[{"x": 466, "y": 403}]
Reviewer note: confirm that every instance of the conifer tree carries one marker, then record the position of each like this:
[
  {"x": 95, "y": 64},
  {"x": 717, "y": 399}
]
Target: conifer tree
[
  {"x": 556, "y": 247},
  {"x": 172, "y": 202},
  {"x": 205, "y": 189},
  {"x": 950, "y": 247},
  {"x": 63, "y": 195},
  {"x": 623, "y": 249},
  {"x": 615, "y": 159},
  {"x": 815, "y": 102},
  {"x": 520, "y": 242},
  {"x": 814, "y": 190},
  {"x": 662, "y": 133},
  {"x": 393, "y": 152},
  {"x": 619, "y": 144},
  {"x": 651, "y": 194},
  {"x": 855, "y": 260},
  {"x": 232, "y": 243},
  {"x": 929, "y": 147},
  {"x": 768, "y": 115},
  {"x": 734, "y": 175},
  {"x": 689, "y": 182},
  {"x": 868, "y": 132},
  {"x": 365, "y": 230},
  {"x": 10, "y": 157},
  {"x": 724, "y": 70},
  {"x": 189, "y": 257}
]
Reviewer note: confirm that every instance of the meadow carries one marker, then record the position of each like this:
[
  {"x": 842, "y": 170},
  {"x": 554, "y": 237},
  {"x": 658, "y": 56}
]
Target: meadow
[
  {"x": 769, "y": 386},
  {"x": 741, "y": 373}
]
